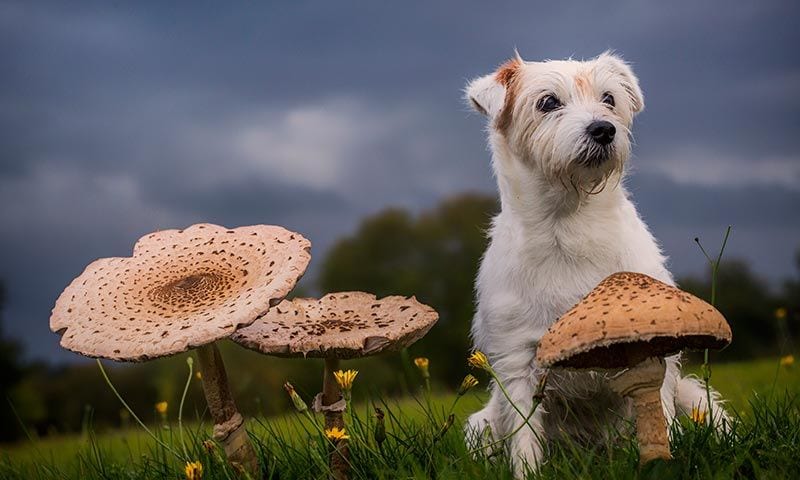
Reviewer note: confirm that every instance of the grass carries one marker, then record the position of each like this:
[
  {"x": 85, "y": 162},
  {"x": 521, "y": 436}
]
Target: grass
[{"x": 763, "y": 443}]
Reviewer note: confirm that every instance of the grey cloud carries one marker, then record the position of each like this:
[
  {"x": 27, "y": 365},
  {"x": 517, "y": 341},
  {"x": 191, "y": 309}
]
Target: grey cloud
[
  {"x": 679, "y": 205},
  {"x": 765, "y": 221},
  {"x": 116, "y": 120}
]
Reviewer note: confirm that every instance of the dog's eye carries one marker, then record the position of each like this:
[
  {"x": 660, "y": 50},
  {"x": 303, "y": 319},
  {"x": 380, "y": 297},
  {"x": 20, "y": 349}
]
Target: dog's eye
[
  {"x": 608, "y": 99},
  {"x": 548, "y": 103}
]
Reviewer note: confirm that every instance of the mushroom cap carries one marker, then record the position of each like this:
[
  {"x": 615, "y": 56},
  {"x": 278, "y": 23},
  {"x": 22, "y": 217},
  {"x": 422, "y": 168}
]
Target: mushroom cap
[
  {"x": 180, "y": 289},
  {"x": 339, "y": 325},
  {"x": 627, "y": 318}
]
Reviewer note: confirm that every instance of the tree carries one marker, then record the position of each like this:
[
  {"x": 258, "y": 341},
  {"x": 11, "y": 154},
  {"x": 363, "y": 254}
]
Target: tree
[
  {"x": 748, "y": 306},
  {"x": 433, "y": 256},
  {"x": 10, "y": 374},
  {"x": 789, "y": 307}
]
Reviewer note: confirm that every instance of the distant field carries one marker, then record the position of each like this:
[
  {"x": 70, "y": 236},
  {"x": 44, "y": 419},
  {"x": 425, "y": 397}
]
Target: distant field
[
  {"x": 739, "y": 384},
  {"x": 132, "y": 443}
]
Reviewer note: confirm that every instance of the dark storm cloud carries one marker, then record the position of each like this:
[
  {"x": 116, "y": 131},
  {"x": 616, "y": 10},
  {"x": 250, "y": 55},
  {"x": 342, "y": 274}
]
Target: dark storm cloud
[
  {"x": 116, "y": 120},
  {"x": 764, "y": 222},
  {"x": 673, "y": 204}
]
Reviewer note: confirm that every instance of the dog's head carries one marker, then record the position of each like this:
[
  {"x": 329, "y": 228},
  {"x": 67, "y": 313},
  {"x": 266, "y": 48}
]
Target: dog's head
[{"x": 568, "y": 119}]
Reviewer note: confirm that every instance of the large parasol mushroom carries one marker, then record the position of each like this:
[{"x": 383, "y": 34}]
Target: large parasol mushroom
[
  {"x": 338, "y": 326},
  {"x": 631, "y": 321},
  {"x": 182, "y": 290}
]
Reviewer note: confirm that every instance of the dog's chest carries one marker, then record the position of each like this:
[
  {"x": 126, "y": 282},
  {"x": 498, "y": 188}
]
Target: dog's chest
[
  {"x": 556, "y": 283},
  {"x": 567, "y": 261},
  {"x": 539, "y": 275}
]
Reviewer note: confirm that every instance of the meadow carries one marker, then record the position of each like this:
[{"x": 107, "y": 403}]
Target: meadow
[{"x": 422, "y": 441}]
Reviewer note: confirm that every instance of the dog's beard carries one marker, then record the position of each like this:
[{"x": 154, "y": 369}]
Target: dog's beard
[
  {"x": 569, "y": 159},
  {"x": 589, "y": 167},
  {"x": 594, "y": 155}
]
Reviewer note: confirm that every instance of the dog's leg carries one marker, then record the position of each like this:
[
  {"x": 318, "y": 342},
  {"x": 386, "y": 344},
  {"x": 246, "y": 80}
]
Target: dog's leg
[
  {"x": 483, "y": 426},
  {"x": 525, "y": 447},
  {"x": 669, "y": 389},
  {"x": 691, "y": 393}
]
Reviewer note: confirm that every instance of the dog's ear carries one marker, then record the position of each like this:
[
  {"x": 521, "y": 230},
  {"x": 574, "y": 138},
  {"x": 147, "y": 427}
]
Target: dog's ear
[
  {"x": 488, "y": 94},
  {"x": 629, "y": 81}
]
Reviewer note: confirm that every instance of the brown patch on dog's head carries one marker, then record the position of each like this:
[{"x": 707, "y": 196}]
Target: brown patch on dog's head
[
  {"x": 507, "y": 71},
  {"x": 507, "y": 75},
  {"x": 583, "y": 84}
]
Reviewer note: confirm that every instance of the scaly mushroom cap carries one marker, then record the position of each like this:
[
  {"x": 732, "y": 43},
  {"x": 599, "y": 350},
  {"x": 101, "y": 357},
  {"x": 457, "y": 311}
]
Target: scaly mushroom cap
[
  {"x": 180, "y": 289},
  {"x": 627, "y": 318},
  {"x": 340, "y": 325}
]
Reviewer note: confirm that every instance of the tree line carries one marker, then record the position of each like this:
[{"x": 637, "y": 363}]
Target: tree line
[{"x": 434, "y": 256}]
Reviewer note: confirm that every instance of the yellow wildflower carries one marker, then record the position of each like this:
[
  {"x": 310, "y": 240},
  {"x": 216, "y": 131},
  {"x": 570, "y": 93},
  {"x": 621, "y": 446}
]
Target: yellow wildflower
[
  {"x": 698, "y": 416},
  {"x": 422, "y": 364},
  {"x": 445, "y": 427},
  {"x": 380, "y": 428},
  {"x": 194, "y": 470},
  {"x": 780, "y": 313},
  {"x": 336, "y": 433},
  {"x": 345, "y": 379},
  {"x": 298, "y": 402},
  {"x": 466, "y": 384},
  {"x": 478, "y": 360},
  {"x": 787, "y": 361},
  {"x": 124, "y": 418},
  {"x": 161, "y": 407}
]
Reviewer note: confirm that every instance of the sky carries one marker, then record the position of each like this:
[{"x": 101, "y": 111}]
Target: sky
[{"x": 118, "y": 119}]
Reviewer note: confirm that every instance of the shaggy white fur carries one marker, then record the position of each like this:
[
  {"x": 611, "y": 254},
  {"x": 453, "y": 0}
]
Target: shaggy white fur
[{"x": 566, "y": 222}]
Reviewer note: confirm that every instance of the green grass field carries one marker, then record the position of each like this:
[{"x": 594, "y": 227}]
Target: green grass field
[{"x": 765, "y": 442}]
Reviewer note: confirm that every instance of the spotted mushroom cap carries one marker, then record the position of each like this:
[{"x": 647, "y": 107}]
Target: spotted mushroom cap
[
  {"x": 339, "y": 325},
  {"x": 180, "y": 289},
  {"x": 627, "y": 318}
]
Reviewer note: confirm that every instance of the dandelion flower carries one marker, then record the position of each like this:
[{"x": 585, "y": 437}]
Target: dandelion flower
[
  {"x": 445, "y": 427},
  {"x": 194, "y": 470},
  {"x": 422, "y": 364},
  {"x": 336, "y": 433},
  {"x": 478, "y": 360},
  {"x": 345, "y": 379},
  {"x": 698, "y": 416},
  {"x": 780, "y": 313},
  {"x": 787, "y": 361},
  {"x": 209, "y": 446},
  {"x": 124, "y": 418},
  {"x": 466, "y": 384},
  {"x": 161, "y": 407},
  {"x": 380, "y": 428},
  {"x": 298, "y": 402}
]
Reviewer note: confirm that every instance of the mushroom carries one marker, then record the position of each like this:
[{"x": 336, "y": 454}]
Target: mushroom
[
  {"x": 631, "y": 321},
  {"x": 338, "y": 326},
  {"x": 182, "y": 290}
]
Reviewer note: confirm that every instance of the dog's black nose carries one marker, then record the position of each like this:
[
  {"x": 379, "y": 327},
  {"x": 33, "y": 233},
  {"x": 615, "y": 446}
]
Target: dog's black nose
[{"x": 602, "y": 132}]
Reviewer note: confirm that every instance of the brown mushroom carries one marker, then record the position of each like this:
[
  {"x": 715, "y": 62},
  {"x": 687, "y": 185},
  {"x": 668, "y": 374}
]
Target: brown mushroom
[
  {"x": 631, "y": 321},
  {"x": 184, "y": 289},
  {"x": 338, "y": 326}
]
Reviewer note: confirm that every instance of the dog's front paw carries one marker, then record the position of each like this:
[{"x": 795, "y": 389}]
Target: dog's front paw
[{"x": 480, "y": 433}]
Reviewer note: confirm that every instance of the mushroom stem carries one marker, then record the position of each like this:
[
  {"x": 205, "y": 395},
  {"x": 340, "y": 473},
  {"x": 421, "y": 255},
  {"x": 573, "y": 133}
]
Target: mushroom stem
[
  {"x": 332, "y": 394},
  {"x": 228, "y": 422},
  {"x": 642, "y": 384}
]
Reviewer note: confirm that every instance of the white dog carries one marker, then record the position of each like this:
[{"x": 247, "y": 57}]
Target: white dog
[{"x": 560, "y": 138}]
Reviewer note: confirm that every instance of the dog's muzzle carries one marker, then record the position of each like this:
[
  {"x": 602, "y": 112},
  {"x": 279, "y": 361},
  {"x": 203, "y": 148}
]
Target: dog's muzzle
[
  {"x": 601, "y": 132},
  {"x": 598, "y": 145}
]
